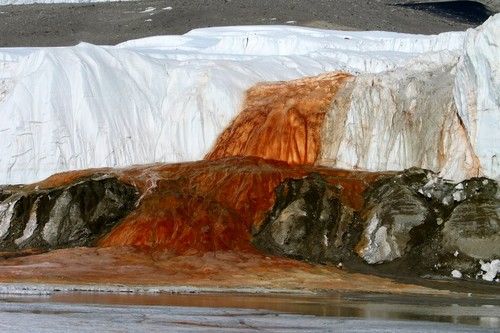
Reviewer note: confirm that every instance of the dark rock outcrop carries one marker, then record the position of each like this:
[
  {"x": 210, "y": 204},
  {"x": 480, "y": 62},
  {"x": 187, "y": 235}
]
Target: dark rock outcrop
[
  {"x": 308, "y": 222},
  {"x": 474, "y": 229},
  {"x": 67, "y": 216},
  {"x": 392, "y": 209},
  {"x": 467, "y": 236},
  {"x": 434, "y": 226},
  {"x": 413, "y": 223}
]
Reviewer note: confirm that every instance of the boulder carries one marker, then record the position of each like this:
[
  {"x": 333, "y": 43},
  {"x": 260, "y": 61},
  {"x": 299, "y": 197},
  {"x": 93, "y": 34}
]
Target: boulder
[
  {"x": 308, "y": 221},
  {"x": 393, "y": 207},
  {"x": 464, "y": 233},
  {"x": 469, "y": 236},
  {"x": 67, "y": 216},
  {"x": 474, "y": 229}
]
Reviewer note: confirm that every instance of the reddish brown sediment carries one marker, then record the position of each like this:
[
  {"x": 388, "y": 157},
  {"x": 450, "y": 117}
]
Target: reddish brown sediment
[
  {"x": 281, "y": 121},
  {"x": 213, "y": 205},
  {"x": 192, "y": 227},
  {"x": 221, "y": 269}
]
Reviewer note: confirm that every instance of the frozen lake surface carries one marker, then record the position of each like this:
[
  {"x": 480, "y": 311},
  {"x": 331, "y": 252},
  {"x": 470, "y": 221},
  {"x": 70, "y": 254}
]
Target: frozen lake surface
[{"x": 87, "y": 312}]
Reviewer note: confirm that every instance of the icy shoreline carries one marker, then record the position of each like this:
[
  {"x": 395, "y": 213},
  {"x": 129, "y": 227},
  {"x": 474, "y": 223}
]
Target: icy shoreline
[{"x": 50, "y": 289}]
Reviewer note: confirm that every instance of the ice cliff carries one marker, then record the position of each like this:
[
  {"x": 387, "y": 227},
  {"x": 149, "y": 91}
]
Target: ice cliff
[{"x": 428, "y": 101}]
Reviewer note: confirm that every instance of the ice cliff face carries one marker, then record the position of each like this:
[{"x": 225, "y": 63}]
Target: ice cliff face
[
  {"x": 282, "y": 121},
  {"x": 386, "y": 121},
  {"x": 396, "y": 120},
  {"x": 167, "y": 99},
  {"x": 477, "y": 93}
]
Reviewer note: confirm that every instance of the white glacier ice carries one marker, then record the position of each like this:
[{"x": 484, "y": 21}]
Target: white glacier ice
[
  {"x": 477, "y": 93},
  {"x": 399, "y": 119},
  {"x": 167, "y": 98}
]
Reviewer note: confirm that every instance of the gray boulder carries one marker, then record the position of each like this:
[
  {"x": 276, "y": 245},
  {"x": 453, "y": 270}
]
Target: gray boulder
[
  {"x": 67, "y": 216},
  {"x": 474, "y": 229},
  {"x": 308, "y": 222},
  {"x": 393, "y": 207}
]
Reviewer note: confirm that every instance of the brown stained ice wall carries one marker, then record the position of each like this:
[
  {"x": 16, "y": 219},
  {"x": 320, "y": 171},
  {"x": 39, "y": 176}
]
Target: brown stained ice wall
[{"x": 281, "y": 121}]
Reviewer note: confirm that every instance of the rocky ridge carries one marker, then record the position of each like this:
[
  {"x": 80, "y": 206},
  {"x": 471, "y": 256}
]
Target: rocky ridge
[
  {"x": 414, "y": 220},
  {"x": 67, "y": 216}
]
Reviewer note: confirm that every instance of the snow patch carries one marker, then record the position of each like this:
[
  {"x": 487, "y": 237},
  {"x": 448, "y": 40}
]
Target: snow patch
[{"x": 490, "y": 270}]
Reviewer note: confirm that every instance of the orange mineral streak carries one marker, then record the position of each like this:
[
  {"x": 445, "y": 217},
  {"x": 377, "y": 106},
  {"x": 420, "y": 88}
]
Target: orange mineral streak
[
  {"x": 213, "y": 205},
  {"x": 281, "y": 121},
  {"x": 222, "y": 269}
]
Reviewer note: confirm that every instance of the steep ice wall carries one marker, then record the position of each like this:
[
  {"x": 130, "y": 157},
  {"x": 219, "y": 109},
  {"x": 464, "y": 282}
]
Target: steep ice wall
[
  {"x": 386, "y": 121},
  {"x": 166, "y": 99},
  {"x": 281, "y": 121},
  {"x": 90, "y": 106},
  {"x": 477, "y": 93},
  {"x": 397, "y": 120}
]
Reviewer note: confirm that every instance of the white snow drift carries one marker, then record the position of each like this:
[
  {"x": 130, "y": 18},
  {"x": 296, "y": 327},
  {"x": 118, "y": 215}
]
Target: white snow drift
[{"x": 166, "y": 99}]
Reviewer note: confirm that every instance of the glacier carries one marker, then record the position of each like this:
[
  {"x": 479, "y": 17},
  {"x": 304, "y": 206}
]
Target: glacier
[
  {"x": 399, "y": 119},
  {"x": 167, "y": 98}
]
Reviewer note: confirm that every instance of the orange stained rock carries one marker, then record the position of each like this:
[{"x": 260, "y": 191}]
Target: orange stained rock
[
  {"x": 207, "y": 205},
  {"x": 213, "y": 205},
  {"x": 281, "y": 121}
]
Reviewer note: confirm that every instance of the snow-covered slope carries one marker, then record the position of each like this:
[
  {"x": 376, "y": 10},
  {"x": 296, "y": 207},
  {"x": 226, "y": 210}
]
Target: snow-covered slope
[{"x": 166, "y": 99}]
